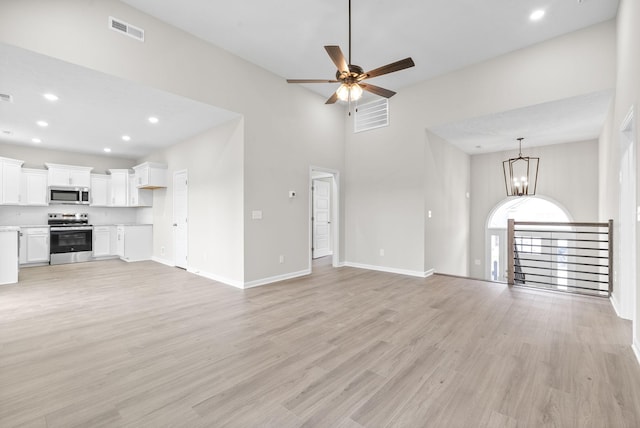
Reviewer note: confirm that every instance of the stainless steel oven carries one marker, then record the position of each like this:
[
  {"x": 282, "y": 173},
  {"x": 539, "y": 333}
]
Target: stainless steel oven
[{"x": 71, "y": 238}]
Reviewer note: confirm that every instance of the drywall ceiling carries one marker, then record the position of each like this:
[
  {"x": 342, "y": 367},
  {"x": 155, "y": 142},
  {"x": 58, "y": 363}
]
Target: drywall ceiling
[
  {"x": 94, "y": 110},
  {"x": 572, "y": 119},
  {"x": 287, "y": 36}
]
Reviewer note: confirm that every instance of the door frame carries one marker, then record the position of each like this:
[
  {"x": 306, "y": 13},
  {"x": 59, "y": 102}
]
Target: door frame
[
  {"x": 173, "y": 216},
  {"x": 335, "y": 212}
]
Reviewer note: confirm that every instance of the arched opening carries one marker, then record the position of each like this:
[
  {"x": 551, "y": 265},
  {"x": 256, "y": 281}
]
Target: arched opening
[{"x": 527, "y": 208}]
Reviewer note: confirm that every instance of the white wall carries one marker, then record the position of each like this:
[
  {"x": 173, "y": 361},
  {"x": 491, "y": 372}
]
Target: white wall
[
  {"x": 627, "y": 95},
  {"x": 447, "y": 184},
  {"x": 568, "y": 174},
  {"x": 214, "y": 161},
  {"x": 385, "y": 168},
  {"x": 286, "y": 127}
]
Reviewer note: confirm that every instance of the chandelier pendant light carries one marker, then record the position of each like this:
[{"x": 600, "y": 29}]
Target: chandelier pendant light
[{"x": 521, "y": 174}]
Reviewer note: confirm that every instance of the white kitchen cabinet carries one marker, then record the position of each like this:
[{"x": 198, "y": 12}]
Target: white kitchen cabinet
[
  {"x": 10, "y": 174},
  {"x": 102, "y": 241},
  {"x": 69, "y": 175},
  {"x": 100, "y": 190},
  {"x": 34, "y": 245},
  {"x": 135, "y": 242},
  {"x": 33, "y": 187},
  {"x": 139, "y": 197},
  {"x": 119, "y": 187},
  {"x": 9, "y": 255},
  {"x": 150, "y": 175}
]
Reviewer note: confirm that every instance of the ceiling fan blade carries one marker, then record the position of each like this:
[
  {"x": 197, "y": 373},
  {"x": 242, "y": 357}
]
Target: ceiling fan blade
[
  {"x": 337, "y": 57},
  {"x": 332, "y": 99},
  {"x": 390, "y": 68},
  {"x": 311, "y": 81},
  {"x": 377, "y": 90}
]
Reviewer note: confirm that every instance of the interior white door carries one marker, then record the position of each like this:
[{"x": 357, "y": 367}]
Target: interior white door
[
  {"x": 321, "y": 218},
  {"x": 627, "y": 246},
  {"x": 180, "y": 218}
]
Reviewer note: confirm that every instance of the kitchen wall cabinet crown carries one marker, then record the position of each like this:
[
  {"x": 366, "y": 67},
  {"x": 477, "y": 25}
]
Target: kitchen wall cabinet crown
[
  {"x": 10, "y": 174},
  {"x": 69, "y": 175},
  {"x": 33, "y": 187},
  {"x": 150, "y": 175}
]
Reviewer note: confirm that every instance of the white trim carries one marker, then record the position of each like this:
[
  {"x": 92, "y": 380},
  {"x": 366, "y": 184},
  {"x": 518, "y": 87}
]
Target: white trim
[
  {"x": 163, "y": 261},
  {"x": 277, "y": 278},
  {"x": 636, "y": 349},
  {"x": 216, "y": 278},
  {"x": 391, "y": 270},
  {"x": 335, "y": 213},
  {"x": 616, "y": 307}
]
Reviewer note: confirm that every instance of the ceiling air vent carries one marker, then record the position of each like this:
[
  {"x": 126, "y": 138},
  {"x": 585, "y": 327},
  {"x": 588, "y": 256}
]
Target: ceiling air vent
[
  {"x": 6, "y": 97},
  {"x": 125, "y": 28},
  {"x": 372, "y": 115}
]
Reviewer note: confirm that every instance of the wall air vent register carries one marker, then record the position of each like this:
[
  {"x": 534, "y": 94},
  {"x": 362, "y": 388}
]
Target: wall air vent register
[
  {"x": 371, "y": 115},
  {"x": 125, "y": 28}
]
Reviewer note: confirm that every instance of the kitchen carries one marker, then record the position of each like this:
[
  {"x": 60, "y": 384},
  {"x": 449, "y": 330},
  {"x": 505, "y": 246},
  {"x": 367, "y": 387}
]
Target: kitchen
[{"x": 69, "y": 215}]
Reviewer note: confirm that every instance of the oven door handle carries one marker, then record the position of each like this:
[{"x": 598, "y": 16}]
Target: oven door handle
[{"x": 71, "y": 229}]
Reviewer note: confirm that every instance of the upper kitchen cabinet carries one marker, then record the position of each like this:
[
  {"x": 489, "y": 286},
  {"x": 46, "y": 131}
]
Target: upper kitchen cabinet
[
  {"x": 10, "y": 174},
  {"x": 119, "y": 187},
  {"x": 69, "y": 175},
  {"x": 150, "y": 175},
  {"x": 33, "y": 187},
  {"x": 100, "y": 184},
  {"x": 139, "y": 197}
]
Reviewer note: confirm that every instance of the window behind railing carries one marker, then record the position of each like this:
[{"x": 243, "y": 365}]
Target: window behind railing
[{"x": 569, "y": 257}]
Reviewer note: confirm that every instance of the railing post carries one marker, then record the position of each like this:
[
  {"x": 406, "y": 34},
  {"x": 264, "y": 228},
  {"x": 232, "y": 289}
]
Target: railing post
[
  {"x": 510, "y": 248},
  {"x": 610, "y": 276}
]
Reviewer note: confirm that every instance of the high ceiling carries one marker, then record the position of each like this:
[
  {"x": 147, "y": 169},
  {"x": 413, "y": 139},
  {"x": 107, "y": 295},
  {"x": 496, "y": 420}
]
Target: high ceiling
[{"x": 287, "y": 38}]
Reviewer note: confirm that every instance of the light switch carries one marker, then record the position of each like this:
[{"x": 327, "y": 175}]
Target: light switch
[{"x": 256, "y": 215}]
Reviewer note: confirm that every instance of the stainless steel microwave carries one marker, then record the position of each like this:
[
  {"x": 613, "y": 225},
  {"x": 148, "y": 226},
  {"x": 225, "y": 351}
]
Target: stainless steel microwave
[{"x": 69, "y": 195}]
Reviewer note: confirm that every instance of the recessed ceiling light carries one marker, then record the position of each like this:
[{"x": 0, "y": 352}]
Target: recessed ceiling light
[
  {"x": 36, "y": 140},
  {"x": 42, "y": 123},
  {"x": 107, "y": 150},
  {"x": 126, "y": 138},
  {"x": 536, "y": 15},
  {"x": 51, "y": 97},
  {"x": 153, "y": 119}
]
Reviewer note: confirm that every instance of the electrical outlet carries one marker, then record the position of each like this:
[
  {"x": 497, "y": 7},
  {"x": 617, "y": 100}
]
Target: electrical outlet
[
  {"x": 382, "y": 251},
  {"x": 281, "y": 259},
  {"x": 162, "y": 251}
]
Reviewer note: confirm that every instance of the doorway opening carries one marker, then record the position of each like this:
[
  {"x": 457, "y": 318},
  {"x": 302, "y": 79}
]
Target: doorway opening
[
  {"x": 324, "y": 224},
  {"x": 523, "y": 208}
]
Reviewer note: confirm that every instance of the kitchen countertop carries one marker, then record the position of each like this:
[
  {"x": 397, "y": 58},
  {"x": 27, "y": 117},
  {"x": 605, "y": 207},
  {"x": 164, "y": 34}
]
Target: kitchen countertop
[{"x": 9, "y": 228}]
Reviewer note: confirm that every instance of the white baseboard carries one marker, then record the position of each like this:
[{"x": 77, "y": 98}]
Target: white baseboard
[
  {"x": 163, "y": 261},
  {"x": 636, "y": 348},
  {"x": 217, "y": 278},
  {"x": 277, "y": 278},
  {"x": 615, "y": 305},
  {"x": 391, "y": 270}
]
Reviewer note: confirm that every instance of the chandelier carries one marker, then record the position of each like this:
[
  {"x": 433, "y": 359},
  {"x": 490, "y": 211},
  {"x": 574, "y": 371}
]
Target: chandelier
[{"x": 521, "y": 174}]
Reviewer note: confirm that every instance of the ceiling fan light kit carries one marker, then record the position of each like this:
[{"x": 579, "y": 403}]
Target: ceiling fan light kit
[{"x": 350, "y": 76}]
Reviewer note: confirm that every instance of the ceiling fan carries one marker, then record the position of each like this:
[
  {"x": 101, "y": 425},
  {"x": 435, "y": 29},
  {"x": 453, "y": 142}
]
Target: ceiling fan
[{"x": 350, "y": 76}]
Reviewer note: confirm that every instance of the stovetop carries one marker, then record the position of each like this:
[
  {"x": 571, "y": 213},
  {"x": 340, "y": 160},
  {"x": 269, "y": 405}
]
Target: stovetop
[{"x": 68, "y": 219}]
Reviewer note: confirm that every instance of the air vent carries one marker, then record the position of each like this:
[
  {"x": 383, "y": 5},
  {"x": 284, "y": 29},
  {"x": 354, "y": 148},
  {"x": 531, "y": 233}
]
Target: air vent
[
  {"x": 372, "y": 115},
  {"x": 6, "y": 97},
  {"x": 125, "y": 28}
]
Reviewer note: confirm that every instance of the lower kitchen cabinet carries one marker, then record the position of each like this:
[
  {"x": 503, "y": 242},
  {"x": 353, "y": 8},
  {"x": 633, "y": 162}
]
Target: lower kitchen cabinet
[
  {"x": 102, "y": 241},
  {"x": 134, "y": 242},
  {"x": 34, "y": 245}
]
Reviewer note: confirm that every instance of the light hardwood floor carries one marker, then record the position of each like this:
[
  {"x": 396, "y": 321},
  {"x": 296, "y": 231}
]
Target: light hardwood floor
[{"x": 145, "y": 345}]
